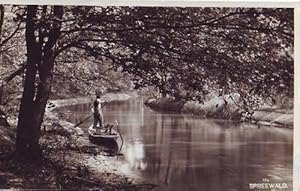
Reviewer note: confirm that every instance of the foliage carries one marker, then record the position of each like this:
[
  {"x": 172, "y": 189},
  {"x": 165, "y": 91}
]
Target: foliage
[
  {"x": 85, "y": 76},
  {"x": 12, "y": 54},
  {"x": 189, "y": 52},
  {"x": 184, "y": 52}
]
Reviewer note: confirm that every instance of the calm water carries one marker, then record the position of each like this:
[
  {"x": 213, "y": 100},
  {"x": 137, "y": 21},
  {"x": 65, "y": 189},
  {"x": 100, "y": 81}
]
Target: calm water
[{"x": 182, "y": 152}]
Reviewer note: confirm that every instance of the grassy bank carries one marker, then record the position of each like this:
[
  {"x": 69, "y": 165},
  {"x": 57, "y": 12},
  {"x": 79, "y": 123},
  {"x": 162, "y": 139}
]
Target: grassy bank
[{"x": 225, "y": 107}]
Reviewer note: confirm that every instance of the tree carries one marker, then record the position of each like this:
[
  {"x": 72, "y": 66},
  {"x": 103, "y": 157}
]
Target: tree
[
  {"x": 1, "y": 18},
  {"x": 42, "y": 33}
]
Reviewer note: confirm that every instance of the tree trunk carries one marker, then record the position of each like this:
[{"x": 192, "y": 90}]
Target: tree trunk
[
  {"x": 1, "y": 20},
  {"x": 40, "y": 60},
  {"x": 27, "y": 134}
]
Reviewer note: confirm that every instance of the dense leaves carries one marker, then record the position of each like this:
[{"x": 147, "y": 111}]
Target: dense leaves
[
  {"x": 184, "y": 52},
  {"x": 189, "y": 52},
  {"x": 12, "y": 54}
]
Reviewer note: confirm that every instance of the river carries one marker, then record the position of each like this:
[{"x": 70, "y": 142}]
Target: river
[{"x": 184, "y": 152}]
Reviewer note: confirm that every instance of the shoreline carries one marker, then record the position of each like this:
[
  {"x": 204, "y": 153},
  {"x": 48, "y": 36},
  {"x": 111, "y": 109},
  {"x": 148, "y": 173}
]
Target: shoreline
[
  {"x": 216, "y": 108},
  {"x": 52, "y": 105},
  {"x": 108, "y": 97},
  {"x": 108, "y": 164}
]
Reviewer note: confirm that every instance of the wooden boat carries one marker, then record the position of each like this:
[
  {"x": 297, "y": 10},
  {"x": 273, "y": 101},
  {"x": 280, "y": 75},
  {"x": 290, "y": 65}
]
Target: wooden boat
[{"x": 103, "y": 134}]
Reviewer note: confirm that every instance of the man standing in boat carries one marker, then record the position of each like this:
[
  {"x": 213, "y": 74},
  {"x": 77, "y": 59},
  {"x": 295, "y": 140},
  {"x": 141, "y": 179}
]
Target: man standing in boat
[{"x": 98, "y": 114}]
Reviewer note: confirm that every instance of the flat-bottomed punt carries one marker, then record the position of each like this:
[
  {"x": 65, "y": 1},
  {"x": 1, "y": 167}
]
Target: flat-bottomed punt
[{"x": 103, "y": 134}]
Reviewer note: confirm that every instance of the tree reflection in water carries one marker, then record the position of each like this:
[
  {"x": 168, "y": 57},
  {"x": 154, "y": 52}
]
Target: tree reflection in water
[{"x": 181, "y": 152}]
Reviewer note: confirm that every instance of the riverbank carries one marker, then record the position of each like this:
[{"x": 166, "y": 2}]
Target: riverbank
[
  {"x": 226, "y": 107},
  {"x": 69, "y": 160},
  {"x": 54, "y": 104},
  {"x": 108, "y": 97}
]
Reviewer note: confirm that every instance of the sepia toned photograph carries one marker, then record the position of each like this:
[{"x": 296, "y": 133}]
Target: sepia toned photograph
[{"x": 140, "y": 98}]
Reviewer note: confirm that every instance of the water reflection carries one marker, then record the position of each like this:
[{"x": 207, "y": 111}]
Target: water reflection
[{"x": 181, "y": 152}]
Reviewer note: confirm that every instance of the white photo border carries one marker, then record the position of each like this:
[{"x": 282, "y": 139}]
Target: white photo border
[{"x": 214, "y": 3}]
